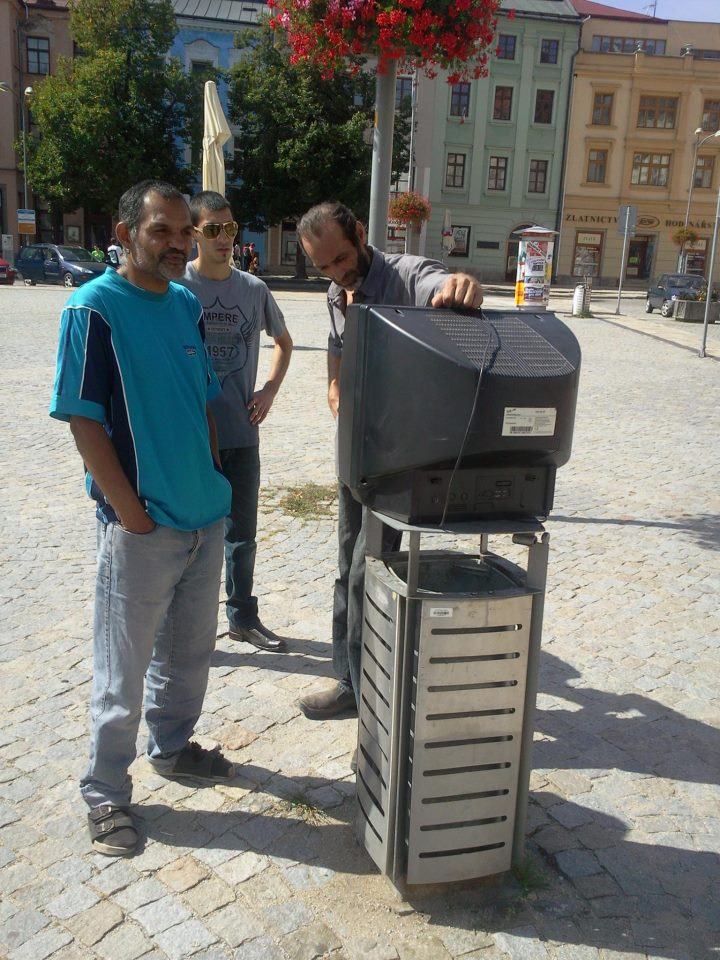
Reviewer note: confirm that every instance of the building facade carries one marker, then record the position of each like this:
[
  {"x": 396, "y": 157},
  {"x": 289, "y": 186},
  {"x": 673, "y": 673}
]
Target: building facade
[
  {"x": 646, "y": 92},
  {"x": 33, "y": 36},
  {"x": 491, "y": 151}
]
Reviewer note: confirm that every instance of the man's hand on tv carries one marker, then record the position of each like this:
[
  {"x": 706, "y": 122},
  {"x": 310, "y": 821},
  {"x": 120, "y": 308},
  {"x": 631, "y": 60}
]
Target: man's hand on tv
[
  {"x": 334, "y": 397},
  {"x": 459, "y": 290}
]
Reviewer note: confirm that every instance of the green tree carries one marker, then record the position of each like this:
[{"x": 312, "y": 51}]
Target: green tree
[
  {"x": 117, "y": 113},
  {"x": 301, "y": 137}
]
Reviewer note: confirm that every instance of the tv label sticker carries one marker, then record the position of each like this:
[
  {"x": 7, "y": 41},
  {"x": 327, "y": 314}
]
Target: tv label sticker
[
  {"x": 529, "y": 422},
  {"x": 441, "y": 611}
]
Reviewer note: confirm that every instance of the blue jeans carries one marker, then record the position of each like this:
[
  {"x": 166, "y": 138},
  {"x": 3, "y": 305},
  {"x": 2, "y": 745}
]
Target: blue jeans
[
  {"x": 156, "y": 610},
  {"x": 349, "y": 594},
  {"x": 241, "y": 466}
]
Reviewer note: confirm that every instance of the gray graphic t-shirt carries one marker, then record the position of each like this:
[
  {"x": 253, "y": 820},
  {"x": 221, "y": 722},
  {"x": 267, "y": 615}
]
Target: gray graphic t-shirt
[{"x": 234, "y": 311}]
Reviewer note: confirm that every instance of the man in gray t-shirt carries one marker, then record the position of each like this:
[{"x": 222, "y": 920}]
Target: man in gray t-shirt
[
  {"x": 236, "y": 308},
  {"x": 335, "y": 242}
]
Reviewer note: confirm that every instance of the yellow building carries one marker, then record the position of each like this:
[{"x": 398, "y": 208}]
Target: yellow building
[{"x": 645, "y": 106}]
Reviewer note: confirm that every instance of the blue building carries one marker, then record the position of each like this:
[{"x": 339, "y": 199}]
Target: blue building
[{"x": 206, "y": 38}]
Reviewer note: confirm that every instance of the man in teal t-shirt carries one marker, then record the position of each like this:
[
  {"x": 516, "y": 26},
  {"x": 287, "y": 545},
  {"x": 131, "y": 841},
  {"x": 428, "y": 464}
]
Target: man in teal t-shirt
[{"x": 134, "y": 382}]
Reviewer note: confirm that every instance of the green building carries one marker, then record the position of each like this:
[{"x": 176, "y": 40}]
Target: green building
[{"x": 491, "y": 151}]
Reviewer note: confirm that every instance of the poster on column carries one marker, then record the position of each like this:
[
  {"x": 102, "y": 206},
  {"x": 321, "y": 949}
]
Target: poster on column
[{"x": 532, "y": 287}]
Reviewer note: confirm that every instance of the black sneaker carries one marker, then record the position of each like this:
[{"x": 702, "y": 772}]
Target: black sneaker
[
  {"x": 196, "y": 763},
  {"x": 112, "y": 831},
  {"x": 259, "y": 636}
]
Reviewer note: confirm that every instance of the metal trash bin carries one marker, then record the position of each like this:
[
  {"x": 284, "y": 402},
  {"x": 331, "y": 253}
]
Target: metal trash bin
[{"x": 442, "y": 701}]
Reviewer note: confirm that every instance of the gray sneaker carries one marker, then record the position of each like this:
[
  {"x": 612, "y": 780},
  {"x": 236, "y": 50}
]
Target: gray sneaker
[{"x": 259, "y": 636}]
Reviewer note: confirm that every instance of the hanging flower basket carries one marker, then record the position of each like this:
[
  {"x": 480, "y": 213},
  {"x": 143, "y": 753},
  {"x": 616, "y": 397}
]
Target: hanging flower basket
[
  {"x": 685, "y": 235},
  {"x": 410, "y": 208},
  {"x": 427, "y": 34}
]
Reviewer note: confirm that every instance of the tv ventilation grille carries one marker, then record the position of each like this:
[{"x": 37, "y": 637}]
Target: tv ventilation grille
[{"x": 509, "y": 346}]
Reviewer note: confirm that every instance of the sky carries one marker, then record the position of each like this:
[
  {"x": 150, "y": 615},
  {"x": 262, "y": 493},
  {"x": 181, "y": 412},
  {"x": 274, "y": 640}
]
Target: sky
[{"x": 708, "y": 10}]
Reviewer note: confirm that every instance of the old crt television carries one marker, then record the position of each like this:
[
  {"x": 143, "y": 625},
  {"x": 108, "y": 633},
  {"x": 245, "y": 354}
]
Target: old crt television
[{"x": 448, "y": 416}]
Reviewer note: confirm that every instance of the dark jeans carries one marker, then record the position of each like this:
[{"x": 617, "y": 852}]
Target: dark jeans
[
  {"x": 241, "y": 466},
  {"x": 350, "y": 587}
]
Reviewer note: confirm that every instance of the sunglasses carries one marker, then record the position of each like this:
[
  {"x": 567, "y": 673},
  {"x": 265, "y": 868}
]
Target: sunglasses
[{"x": 212, "y": 230}]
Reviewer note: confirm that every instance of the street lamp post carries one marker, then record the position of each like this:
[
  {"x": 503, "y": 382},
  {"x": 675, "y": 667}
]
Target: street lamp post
[
  {"x": 698, "y": 144},
  {"x": 708, "y": 294},
  {"x": 28, "y": 92}
]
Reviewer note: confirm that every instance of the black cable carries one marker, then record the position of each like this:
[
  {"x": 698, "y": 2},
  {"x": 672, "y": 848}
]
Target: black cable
[{"x": 472, "y": 412}]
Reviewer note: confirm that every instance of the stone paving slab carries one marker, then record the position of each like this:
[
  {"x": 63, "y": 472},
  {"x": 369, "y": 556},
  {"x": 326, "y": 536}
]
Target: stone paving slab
[{"x": 624, "y": 818}]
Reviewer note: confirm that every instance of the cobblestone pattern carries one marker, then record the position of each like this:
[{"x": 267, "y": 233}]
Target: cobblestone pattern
[{"x": 624, "y": 816}]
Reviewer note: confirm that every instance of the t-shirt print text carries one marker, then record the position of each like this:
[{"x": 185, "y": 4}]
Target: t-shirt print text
[{"x": 229, "y": 332}]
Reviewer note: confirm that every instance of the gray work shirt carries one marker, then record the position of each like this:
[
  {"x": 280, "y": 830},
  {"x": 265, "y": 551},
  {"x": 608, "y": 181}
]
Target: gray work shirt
[
  {"x": 234, "y": 311},
  {"x": 398, "y": 280}
]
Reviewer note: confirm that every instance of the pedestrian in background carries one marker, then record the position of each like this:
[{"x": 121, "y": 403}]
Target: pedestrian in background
[{"x": 237, "y": 307}]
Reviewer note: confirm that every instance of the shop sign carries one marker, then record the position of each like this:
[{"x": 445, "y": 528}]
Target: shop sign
[{"x": 589, "y": 239}]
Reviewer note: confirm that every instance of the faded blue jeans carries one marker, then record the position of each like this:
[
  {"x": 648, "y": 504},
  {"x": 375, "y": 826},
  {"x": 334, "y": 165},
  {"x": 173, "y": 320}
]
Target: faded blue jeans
[
  {"x": 156, "y": 612},
  {"x": 349, "y": 592},
  {"x": 241, "y": 466}
]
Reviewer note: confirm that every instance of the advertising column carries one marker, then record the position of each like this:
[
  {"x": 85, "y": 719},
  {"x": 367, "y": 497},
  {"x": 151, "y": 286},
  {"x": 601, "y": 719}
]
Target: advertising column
[{"x": 534, "y": 268}]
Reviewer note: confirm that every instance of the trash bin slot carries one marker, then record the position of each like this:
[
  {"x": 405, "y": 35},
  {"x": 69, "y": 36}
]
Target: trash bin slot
[
  {"x": 376, "y": 688},
  {"x": 379, "y": 595},
  {"x": 373, "y": 738},
  {"x": 373, "y": 766},
  {"x": 475, "y": 768},
  {"x": 462, "y": 823},
  {"x": 460, "y": 631},
  {"x": 476, "y": 657},
  {"x": 373, "y": 603},
  {"x": 470, "y": 713},
  {"x": 368, "y": 821},
  {"x": 459, "y": 687},
  {"x": 369, "y": 792},
  {"x": 457, "y": 853},
  {"x": 379, "y": 636},
  {"x": 374, "y": 715},
  {"x": 468, "y": 742},
  {"x": 374, "y": 659},
  {"x": 458, "y": 798}
]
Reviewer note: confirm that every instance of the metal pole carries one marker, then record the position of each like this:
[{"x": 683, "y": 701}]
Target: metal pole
[
  {"x": 708, "y": 295},
  {"x": 690, "y": 193},
  {"x": 537, "y": 564},
  {"x": 411, "y": 164},
  {"x": 382, "y": 155},
  {"x": 622, "y": 262}
]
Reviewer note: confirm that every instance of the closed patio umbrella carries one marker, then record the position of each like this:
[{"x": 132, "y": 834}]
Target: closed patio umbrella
[{"x": 216, "y": 133}]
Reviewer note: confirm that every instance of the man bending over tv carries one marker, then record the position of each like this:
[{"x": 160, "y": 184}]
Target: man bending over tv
[{"x": 336, "y": 243}]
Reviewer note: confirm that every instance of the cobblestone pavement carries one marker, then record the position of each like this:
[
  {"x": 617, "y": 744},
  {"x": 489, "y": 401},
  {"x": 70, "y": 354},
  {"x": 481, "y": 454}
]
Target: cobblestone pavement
[{"x": 624, "y": 819}]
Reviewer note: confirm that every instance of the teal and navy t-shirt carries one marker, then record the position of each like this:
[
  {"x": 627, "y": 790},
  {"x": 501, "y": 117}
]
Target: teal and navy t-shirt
[{"x": 135, "y": 361}]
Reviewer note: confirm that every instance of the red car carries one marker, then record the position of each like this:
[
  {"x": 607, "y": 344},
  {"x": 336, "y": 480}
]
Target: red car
[{"x": 7, "y": 273}]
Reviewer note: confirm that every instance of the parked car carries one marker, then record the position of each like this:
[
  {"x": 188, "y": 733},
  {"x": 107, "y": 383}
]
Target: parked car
[
  {"x": 7, "y": 272},
  {"x": 58, "y": 263},
  {"x": 671, "y": 287}
]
